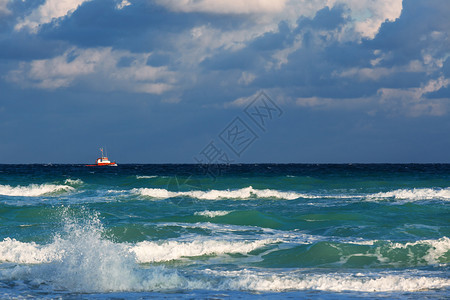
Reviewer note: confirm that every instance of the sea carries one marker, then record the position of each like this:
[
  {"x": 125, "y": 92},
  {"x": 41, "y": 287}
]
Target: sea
[{"x": 271, "y": 231}]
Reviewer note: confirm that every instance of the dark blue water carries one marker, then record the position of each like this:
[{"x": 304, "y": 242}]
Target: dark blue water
[{"x": 240, "y": 231}]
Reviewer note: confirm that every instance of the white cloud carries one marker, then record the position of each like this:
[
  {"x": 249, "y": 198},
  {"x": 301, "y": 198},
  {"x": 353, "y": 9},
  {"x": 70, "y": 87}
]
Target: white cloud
[
  {"x": 122, "y": 4},
  {"x": 225, "y": 6},
  {"x": 364, "y": 74},
  {"x": 242, "y": 101},
  {"x": 428, "y": 64},
  {"x": 96, "y": 68},
  {"x": 47, "y": 12},
  {"x": 331, "y": 103},
  {"x": 281, "y": 56},
  {"x": 4, "y": 7},
  {"x": 368, "y": 15},
  {"x": 410, "y": 102},
  {"x": 204, "y": 41},
  {"x": 246, "y": 78}
]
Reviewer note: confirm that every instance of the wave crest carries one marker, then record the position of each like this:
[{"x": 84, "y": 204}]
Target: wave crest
[
  {"x": 12, "y": 250},
  {"x": 73, "y": 181},
  {"x": 156, "y": 252},
  {"x": 244, "y": 193},
  {"x": 212, "y": 214},
  {"x": 33, "y": 190},
  {"x": 267, "y": 281},
  {"x": 145, "y": 176},
  {"x": 414, "y": 194}
]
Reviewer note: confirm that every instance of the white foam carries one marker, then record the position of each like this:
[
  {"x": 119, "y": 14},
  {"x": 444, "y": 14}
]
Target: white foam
[
  {"x": 171, "y": 250},
  {"x": 244, "y": 193},
  {"x": 212, "y": 214},
  {"x": 145, "y": 176},
  {"x": 239, "y": 232},
  {"x": 437, "y": 248},
  {"x": 73, "y": 181},
  {"x": 83, "y": 241},
  {"x": 33, "y": 190},
  {"x": 82, "y": 260},
  {"x": 12, "y": 250},
  {"x": 265, "y": 281},
  {"x": 219, "y": 228},
  {"x": 414, "y": 194}
]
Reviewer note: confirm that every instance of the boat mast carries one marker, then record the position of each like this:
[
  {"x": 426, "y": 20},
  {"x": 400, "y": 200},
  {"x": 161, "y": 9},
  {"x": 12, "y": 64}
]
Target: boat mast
[{"x": 101, "y": 149}]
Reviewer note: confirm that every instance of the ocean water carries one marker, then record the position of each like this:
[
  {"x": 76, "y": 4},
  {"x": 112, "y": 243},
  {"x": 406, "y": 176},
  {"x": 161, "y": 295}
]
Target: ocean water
[{"x": 247, "y": 231}]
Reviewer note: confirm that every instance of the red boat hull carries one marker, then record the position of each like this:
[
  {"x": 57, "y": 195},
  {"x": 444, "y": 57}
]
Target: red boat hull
[{"x": 112, "y": 164}]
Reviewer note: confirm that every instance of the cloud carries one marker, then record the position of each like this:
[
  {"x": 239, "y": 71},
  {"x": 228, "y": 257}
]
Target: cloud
[
  {"x": 311, "y": 52},
  {"x": 368, "y": 15},
  {"x": 241, "y": 101},
  {"x": 410, "y": 102},
  {"x": 122, "y": 4},
  {"x": 413, "y": 101},
  {"x": 48, "y": 12},
  {"x": 98, "y": 68},
  {"x": 225, "y": 6},
  {"x": 332, "y": 103},
  {"x": 246, "y": 78},
  {"x": 313, "y": 65},
  {"x": 4, "y": 7},
  {"x": 374, "y": 73}
]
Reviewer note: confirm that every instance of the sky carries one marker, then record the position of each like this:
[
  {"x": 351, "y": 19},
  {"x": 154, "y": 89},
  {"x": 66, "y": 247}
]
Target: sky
[{"x": 216, "y": 81}]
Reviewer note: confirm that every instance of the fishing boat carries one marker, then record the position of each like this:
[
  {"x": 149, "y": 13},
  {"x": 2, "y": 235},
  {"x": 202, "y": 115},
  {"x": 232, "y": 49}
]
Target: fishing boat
[{"x": 103, "y": 161}]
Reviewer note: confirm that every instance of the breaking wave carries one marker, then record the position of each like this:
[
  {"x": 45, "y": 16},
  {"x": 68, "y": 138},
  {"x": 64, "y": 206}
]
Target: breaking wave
[
  {"x": 33, "y": 190},
  {"x": 145, "y": 176},
  {"x": 212, "y": 214},
  {"x": 401, "y": 195},
  {"x": 73, "y": 181},
  {"x": 419, "y": 253},
  {"x": 15, "y": 251},
  {"x": 244, "y": 193},
  {"x": 414, "y": 194},
  {"x": 172, "y": 250},
  {"x": 81, "y": 259},
  {"x": 268, "y": 281},
  {"x": 437, "y": 248}
]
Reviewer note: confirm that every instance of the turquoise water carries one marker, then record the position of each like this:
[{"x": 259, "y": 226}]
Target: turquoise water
[{"x": 325, "y": 231}]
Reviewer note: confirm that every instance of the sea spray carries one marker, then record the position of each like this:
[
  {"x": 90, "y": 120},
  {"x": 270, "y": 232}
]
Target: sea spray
[{"x": 82, "y": 260}]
